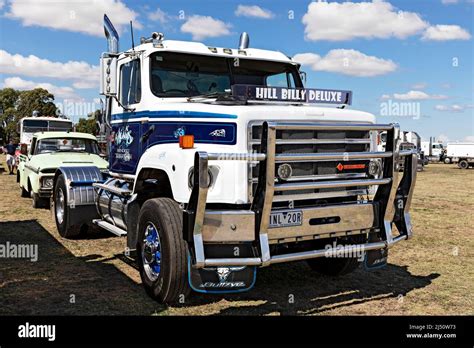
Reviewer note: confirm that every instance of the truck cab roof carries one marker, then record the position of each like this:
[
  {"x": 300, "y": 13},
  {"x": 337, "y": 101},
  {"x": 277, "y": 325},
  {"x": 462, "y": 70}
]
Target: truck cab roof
[{"x": 202, "y": 49}]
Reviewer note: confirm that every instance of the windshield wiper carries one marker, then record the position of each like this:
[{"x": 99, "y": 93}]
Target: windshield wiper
[
  {"x": 219, "y": 96},
  {"x": 206, "y": 95}
]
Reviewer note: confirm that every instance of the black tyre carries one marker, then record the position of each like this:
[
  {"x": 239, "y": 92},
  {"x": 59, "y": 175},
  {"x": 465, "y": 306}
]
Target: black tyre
[
  {"x": 463, "y": 164},
  {"x": 161, "y": 250},
  {"x": 37, "y": 201},
  {"x": 338, "y": 266},
  {"x": 23, "y": 193},
  {"x": 334, "y": 266},
  {"x": 62, "y": 212}
]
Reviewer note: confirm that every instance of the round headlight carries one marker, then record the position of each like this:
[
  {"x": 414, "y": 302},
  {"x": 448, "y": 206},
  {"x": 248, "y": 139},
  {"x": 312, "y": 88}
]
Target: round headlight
[
  {"x": 210, "y": 178},
  {"x": 284, "y": 171},
  {"x": 374, "y": 168}
]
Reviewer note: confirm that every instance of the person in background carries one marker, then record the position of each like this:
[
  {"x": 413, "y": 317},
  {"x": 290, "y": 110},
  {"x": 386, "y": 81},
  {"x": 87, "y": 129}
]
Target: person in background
[{"x": 11, "y": 161}]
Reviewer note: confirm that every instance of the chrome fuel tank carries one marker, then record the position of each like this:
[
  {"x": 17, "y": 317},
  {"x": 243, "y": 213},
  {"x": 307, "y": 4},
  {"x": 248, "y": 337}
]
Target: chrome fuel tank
[{"x": 112, "y": 206}]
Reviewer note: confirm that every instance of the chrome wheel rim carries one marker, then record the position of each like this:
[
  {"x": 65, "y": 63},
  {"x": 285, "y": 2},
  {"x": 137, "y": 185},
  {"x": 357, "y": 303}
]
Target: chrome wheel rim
[
  {"x": 151, "y": 252},
  {"x": 59, "y": 206}
]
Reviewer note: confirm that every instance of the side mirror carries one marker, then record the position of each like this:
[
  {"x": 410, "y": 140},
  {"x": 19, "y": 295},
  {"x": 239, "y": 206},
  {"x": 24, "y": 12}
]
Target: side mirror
[
  {"x": 108, "y": 75},
  {"x": 303, "y": 76}
]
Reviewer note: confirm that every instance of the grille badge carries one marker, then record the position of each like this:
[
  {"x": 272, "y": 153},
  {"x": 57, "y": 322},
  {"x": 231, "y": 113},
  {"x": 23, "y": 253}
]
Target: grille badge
[{"x": 341, "y": 166}]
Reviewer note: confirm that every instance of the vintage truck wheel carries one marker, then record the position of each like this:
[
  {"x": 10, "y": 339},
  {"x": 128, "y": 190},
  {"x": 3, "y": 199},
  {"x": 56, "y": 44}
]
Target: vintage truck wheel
[
  {"x": 37, "y": 201},
  {"x": 62, "y": 211},
  {"x": 161, "y": 250},
  {"x": 23, "y": 193}
]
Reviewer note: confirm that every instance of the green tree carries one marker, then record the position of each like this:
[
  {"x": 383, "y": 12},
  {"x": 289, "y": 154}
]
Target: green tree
[
  {"x": 37, "y": 99},
  {"x": 8, "y": 102},
  {"x": 18, "y": 104},
  {"x": 89, "y": 124}
]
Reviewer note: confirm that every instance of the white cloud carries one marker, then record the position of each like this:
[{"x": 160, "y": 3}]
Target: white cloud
[
  {"x": 453, "y": 107},
  {"x": 442, "y": 138},
  {"x": 348, "y": 20},
  {"x": 159, "y": 15},
  {"x": 202, "y": 27},
  {"x": 469, "y": 139},
  {"x": 59, "y": 92},
  {"x": 253, "y": 11},
  {"x": 82, "y": 74},
  {"x": 347, "y": 62},
  {"x": 2, "y": 3},
  {"x": 445, "y": 32},
  {"x": 420, "y": 85},
  {"x": 84, "y": 16},
  {"x": 449, "y": 2},
  {"x": 417, "y": 95}
]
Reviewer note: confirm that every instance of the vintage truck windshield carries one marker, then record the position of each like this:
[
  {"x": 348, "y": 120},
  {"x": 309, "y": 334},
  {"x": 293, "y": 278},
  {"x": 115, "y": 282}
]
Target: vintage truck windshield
[
  {"x": 66, "y": 145},
  {"x": 186, "y": 75}
]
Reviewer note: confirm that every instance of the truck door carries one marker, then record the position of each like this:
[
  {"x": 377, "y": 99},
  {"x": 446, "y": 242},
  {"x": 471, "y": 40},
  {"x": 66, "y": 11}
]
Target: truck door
[{"x": 126, "y": 149}]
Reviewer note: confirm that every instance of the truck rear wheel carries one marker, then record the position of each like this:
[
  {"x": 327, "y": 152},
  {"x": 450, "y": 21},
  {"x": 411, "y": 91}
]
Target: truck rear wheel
[
  {"x": 23, "y": 192},
  {"x": 62, "y": 211},
  {"x": 161, "y": 250},
  {"x": 463, "y": 164}
]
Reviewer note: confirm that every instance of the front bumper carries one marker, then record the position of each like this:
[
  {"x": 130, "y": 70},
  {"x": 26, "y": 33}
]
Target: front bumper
[{"x": 389, "y": 206}]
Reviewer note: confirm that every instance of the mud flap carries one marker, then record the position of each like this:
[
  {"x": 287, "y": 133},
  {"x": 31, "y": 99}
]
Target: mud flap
[
  {"x": 217, "y": 280},
  {"x": 375, "y": 259}
]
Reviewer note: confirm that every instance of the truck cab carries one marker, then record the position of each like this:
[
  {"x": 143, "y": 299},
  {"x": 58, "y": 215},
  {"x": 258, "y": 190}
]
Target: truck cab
[{"x": 221, "y": 161}]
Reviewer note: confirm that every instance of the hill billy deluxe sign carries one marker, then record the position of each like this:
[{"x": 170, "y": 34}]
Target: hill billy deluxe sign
[{"x": 297, "y": 95}]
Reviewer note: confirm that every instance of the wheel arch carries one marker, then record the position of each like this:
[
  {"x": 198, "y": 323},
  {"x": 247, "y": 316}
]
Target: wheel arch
[{"x": 150, "y": 183}]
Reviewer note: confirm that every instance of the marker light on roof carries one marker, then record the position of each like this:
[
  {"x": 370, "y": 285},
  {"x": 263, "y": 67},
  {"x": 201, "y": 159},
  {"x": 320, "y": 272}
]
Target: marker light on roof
[
  {"x": 227, "y": 50},
  {"x": 242, "y": 52},
  {"x": 212, "y": 49}
]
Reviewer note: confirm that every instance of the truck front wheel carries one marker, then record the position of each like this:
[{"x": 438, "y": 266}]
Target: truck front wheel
[
  {"x": 62, "y": 212},
  {"x": 334, "y": 266},
  {"x": 161, "y": 250}
]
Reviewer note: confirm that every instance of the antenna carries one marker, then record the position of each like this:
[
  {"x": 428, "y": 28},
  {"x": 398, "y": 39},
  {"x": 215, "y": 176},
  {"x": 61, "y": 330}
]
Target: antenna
[{"x": 131, "y": 31}]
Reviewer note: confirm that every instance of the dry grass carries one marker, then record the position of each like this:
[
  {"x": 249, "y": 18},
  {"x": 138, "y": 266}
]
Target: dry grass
[{"x": 431, "y": 274}]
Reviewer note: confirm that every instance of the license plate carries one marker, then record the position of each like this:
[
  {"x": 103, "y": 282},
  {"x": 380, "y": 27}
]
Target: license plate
[{"x": 286, "y": 219}]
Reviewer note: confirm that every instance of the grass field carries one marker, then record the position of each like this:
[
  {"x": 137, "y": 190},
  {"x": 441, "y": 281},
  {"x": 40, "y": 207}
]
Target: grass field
[{"x": 431, "y": 274}]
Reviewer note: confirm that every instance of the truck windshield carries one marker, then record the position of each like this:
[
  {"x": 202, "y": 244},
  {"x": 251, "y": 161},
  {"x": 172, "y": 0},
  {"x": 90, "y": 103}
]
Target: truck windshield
[
  {"x": 186, "y": 75},
  {"x": 66, "y": 145},
  {"x": 33, "y": 126}
]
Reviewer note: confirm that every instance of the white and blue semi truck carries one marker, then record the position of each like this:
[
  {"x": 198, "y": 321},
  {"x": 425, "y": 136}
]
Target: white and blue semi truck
[{"x": 221, "y": 162}]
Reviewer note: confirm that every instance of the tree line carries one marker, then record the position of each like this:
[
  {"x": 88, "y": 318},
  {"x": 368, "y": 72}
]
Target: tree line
[{"x": 15, "y": 104}]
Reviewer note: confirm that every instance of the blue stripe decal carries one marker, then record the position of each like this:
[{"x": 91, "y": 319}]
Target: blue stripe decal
[{"x": 170, "y": 114}]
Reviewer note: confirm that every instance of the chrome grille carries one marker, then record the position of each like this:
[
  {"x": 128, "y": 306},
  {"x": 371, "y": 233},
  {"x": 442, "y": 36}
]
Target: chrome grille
[{"x": 298, "y": 147}]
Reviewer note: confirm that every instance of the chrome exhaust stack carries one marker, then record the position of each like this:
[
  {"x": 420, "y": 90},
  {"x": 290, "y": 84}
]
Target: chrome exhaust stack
[
  {"x": 111, "y": 35},
  {"x": 244, "y": 41}
]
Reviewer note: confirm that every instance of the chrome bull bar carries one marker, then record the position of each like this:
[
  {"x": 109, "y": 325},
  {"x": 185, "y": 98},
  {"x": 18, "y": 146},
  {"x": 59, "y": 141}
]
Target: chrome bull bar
[{"x": 393, "y": 196}]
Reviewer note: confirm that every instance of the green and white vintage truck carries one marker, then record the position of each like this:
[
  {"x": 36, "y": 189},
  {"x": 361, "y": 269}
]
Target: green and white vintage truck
[{"x": 49, "y": 151}]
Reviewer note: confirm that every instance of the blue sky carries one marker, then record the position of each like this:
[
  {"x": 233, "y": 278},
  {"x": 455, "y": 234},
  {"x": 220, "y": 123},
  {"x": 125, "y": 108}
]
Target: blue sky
[{"x": 423, "y": 58}]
